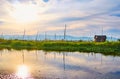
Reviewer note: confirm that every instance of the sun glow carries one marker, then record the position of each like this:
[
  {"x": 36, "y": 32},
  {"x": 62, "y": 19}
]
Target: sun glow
[
  {"x": 23, "y": 72},
  {"x": 24, "y": 13}
]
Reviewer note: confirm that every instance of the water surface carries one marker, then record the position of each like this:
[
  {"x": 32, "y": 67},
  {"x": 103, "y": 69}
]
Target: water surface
[{"x": 38, "y": 64}]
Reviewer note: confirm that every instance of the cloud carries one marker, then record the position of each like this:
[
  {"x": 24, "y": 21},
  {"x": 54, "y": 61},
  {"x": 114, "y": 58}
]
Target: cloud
[
  {"x": 81, "y": 16},
  {"x": 1, "y": 22}
]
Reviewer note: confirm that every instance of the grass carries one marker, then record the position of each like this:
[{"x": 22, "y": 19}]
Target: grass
[{"x": 102, "y": 47}]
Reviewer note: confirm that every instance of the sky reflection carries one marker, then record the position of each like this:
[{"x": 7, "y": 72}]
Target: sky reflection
[{"x": 39, "y": 64}]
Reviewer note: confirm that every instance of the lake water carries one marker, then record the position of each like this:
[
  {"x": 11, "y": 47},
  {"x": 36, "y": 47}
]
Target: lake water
[{"x": 38, "y": 64}]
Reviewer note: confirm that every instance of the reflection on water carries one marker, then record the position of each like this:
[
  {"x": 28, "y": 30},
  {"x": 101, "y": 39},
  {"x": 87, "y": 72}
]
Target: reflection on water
[
  {"x": 39, "y": 64},
  {"x": 23, "y": 72}
]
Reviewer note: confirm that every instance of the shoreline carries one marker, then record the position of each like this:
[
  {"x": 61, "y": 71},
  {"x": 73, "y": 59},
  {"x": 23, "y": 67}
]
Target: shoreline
[{"x": 102, "y": 47}]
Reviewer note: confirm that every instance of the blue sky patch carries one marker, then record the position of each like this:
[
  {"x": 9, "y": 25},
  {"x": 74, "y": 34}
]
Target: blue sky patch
[
  {"x": 117, "y": 15},
  {"x": 46, "y": 0}
]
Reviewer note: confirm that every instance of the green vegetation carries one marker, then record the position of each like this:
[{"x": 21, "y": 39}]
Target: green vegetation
[{"x": 102, "y": 47}]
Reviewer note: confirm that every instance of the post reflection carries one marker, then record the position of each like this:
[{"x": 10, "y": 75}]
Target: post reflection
[
  {"x": 23, "y": 56},
  {"x": 23, "y": 70},
  {"x": 64, "y": 60}
]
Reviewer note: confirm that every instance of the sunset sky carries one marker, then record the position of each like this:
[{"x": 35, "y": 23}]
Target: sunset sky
[{"x": 82, "y": 17}]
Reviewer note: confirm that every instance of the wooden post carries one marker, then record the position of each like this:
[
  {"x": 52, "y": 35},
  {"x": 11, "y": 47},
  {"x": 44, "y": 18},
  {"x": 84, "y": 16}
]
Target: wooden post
[
  {"x": 24, "y": 35},
  {"x": 55, "y": 36},
  {"x": 37, "y": 36},
  {"x": 45, "y": 36},
  {"x": 102, "y": 30},
  {"x": 65, "y": 32}
]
